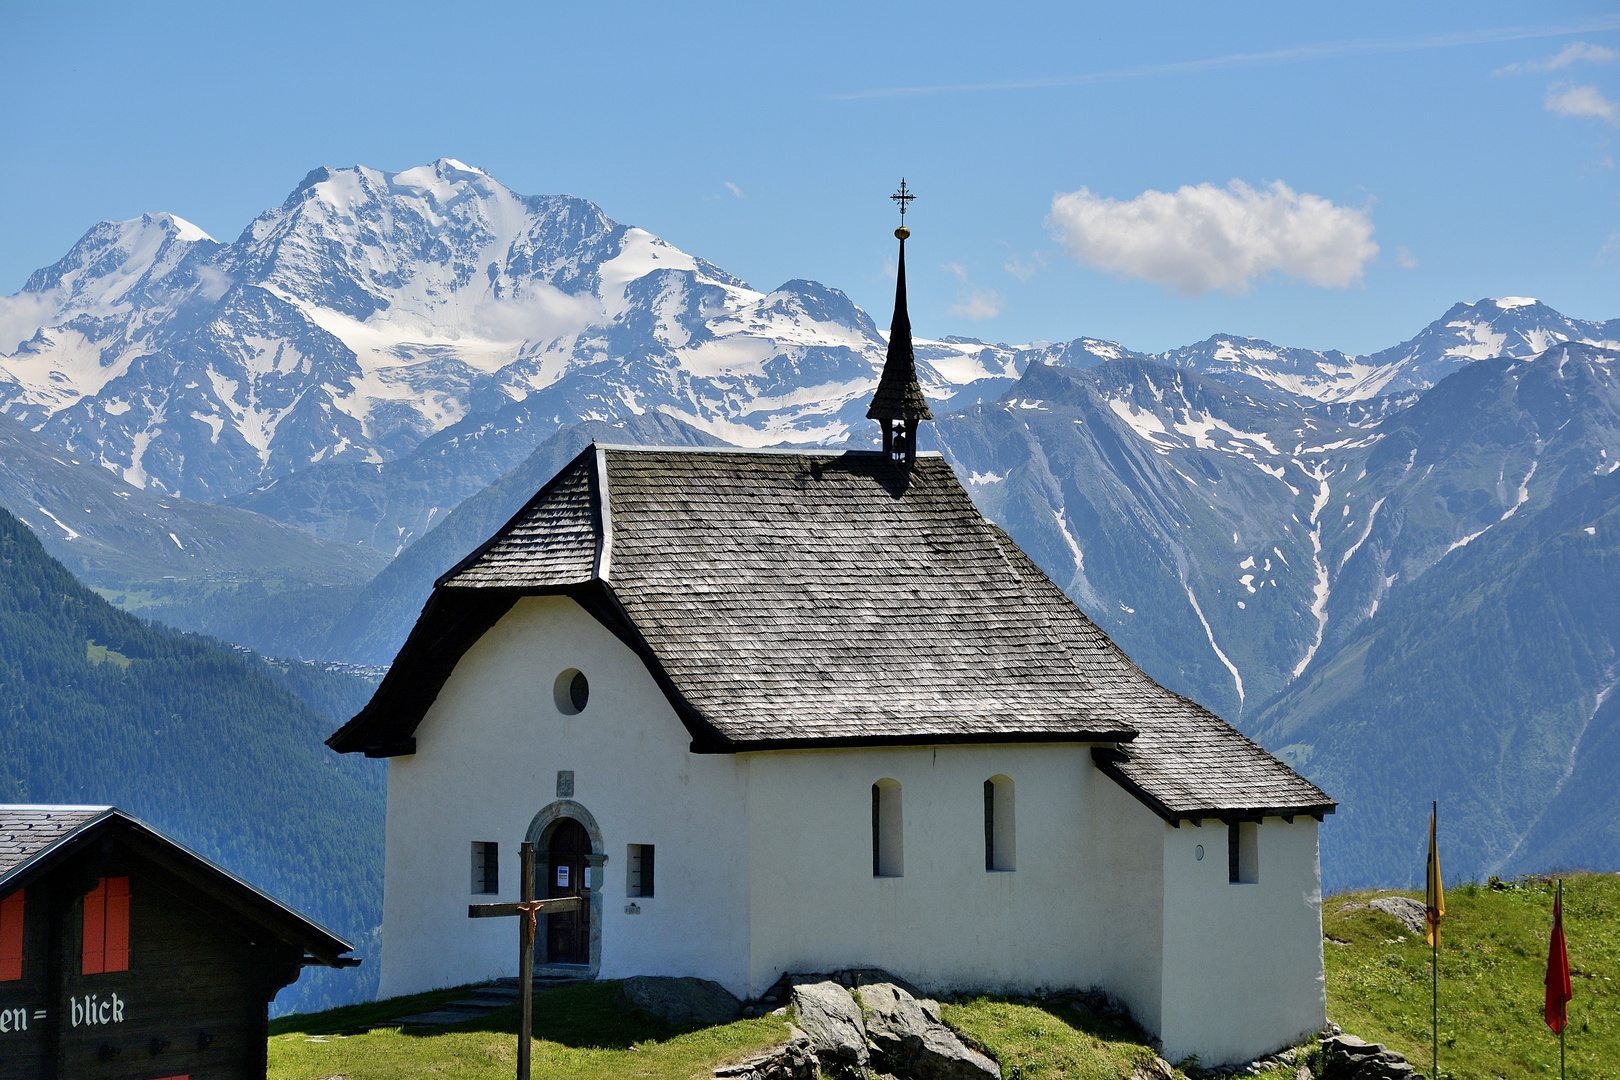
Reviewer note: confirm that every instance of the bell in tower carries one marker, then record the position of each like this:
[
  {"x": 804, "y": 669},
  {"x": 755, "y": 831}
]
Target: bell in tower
[{"x": 899, "y": 404}]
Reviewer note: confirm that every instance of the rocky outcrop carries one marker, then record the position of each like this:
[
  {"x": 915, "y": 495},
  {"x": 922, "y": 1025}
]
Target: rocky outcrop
[
  {"x": 793, "y": 1060},
  {"x": 1413, "y": 915},
  {"x": 1345, "y": 1057},
  {"x": 829, "y": 1015},
  {"x": 908, "y": 1038},
  {"x": 683, "y": 1001},
  {"x": 884, "y": 1027}
]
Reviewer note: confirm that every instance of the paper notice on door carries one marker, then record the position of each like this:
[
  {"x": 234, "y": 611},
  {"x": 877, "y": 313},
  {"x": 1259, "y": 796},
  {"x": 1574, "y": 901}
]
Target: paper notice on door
[{"x": 562, "y": 877}]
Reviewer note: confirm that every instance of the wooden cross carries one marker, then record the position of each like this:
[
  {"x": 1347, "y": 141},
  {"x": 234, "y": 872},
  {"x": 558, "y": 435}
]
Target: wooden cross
[{"x": 528, "y": 910}]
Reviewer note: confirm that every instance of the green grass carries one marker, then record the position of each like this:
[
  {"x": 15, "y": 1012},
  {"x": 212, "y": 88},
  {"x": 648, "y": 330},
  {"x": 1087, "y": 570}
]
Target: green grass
[
  {"x": 1493, "y": 962},
  {"x": 582, "y": 1032},
  {"x": 1051, "y": 1039},
  {"x": 587, "y": 1032}
]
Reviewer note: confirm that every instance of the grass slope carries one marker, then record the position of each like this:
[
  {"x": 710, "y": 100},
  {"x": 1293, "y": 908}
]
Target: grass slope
[
  {"x": 581, "y": 1032},
  {"x": 1493, "y": 960},
  {"x": 587, "y": 1032}
]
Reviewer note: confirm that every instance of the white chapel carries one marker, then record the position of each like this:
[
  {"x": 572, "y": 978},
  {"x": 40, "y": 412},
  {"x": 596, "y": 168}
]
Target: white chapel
[{"x": 802, "y": 711}]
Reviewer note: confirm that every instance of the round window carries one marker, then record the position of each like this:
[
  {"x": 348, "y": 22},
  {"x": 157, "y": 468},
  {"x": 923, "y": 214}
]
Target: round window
[
  {"x": 572, "y": 691},
  {"x": 1200, "y": 853}
]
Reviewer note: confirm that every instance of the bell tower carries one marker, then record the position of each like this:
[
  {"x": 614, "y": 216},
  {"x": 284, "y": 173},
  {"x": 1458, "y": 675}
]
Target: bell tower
[{"x": 899, "y": 404}]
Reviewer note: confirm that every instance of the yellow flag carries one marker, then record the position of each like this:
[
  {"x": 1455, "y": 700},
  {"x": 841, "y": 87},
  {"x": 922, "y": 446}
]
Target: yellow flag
[{"x": 1436, "y": 902}]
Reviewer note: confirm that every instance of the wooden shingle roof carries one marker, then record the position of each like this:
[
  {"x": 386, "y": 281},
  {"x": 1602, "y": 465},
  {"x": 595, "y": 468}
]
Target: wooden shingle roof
[{"x": 796, "y": 599}]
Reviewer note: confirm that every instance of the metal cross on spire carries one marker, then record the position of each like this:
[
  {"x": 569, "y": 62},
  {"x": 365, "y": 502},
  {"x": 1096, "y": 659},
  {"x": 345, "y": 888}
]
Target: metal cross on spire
[{"x": 903, "y": 197}]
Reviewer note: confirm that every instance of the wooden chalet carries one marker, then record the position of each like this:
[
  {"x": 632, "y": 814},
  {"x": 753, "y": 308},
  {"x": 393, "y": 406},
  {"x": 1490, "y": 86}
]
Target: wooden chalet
[{"x": 125, "y": 956}]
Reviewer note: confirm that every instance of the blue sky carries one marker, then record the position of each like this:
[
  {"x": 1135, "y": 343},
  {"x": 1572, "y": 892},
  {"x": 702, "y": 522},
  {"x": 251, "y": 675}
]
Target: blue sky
[{"x": 1473, "y": 145}]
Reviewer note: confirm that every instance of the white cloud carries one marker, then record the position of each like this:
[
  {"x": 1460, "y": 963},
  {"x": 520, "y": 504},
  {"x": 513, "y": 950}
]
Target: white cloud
[
  {"x": 955, "y": 268},
  {"x": 1569, "y": 100},
  {"x": 735, "y": 190},
  {"x": 1022, "y": 270},
  {"x": 1200, "y": 238},
  {"x": 21, "y": 315},
  {"x": 977, "y": 304},
  {"x": 1405, "y": 259},
  {"x": 1574, "y": 53},
  {"x": 1610, "y": 251}
]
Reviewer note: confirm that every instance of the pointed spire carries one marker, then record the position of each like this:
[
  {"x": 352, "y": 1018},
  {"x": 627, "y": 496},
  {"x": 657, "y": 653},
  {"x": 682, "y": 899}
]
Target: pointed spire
[{"x": 898, "y": 396}]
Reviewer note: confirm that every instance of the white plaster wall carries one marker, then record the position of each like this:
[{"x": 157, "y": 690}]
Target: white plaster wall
[
  {"x": 1242, "y": 963},
  {"x": 1129, "y": 840},
  {"x": 815, "y": 905},
  {"x": 486, "y": 762}
]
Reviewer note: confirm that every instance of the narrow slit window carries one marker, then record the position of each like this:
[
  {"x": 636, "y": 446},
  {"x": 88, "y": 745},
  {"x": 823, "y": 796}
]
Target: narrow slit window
[
  {"x": 888, "y": 856},
  {"x": 106, "y": 927},
  {"x": 486, "y": 866},
  {"x": 1243, "y": 852},
  {"x": 11, "y": 937},
  {"x": 1000, "y": 825},
  {"x": 641, "y": 866}
]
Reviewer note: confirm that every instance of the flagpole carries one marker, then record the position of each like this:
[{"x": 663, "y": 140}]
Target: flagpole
[{"x": 1434, "y": 956}]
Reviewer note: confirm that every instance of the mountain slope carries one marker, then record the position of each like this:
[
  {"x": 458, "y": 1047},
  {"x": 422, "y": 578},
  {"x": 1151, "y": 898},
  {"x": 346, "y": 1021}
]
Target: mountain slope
[
  {"x": 1485, "y": 685},
  {"x": 187, "y": 735},
  {"x": 1225, "y": 539},
  {"x": 196, "y": 566}
]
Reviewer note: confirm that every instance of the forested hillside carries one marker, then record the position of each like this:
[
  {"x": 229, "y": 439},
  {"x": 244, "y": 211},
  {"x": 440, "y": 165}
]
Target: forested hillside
[{"x": 211, "y": 746}]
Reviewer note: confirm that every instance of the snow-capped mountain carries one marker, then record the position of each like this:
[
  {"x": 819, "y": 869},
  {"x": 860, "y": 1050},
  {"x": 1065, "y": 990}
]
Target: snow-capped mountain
[
  {"x": 376, "y": 314},
  {"x": 373, "y": 309},
  {"x": 1506, "y": 326}
]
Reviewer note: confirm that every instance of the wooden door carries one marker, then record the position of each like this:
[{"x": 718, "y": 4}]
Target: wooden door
[{"x": 568, "y": 933}]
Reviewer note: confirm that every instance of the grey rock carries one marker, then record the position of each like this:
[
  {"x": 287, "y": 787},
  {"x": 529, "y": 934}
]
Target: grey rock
[
  {"x": 1346, "y": 1057},
  {"x": 682, "y": 1001},
  {"x": 792, "y": 1060},
  {"x": 908, "y": 1038},
  {"x": 1157, "y": 1069},
  {"x": 1413, "y": 915},
  {"x": 828, "y": 1014}
]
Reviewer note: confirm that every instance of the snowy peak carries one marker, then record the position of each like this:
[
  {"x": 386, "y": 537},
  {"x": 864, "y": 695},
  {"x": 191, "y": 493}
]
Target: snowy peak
[
  {"x": 1489, "y": 328},
  {"x": 116, "y": 264}
]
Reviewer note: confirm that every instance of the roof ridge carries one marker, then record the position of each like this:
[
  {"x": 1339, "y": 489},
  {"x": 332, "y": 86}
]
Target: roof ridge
[{"x": 801, "y": 451}]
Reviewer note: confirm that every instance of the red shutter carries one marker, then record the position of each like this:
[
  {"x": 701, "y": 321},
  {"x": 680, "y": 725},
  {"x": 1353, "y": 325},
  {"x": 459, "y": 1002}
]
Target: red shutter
[
  {"x": 95, "y": 930},
  {"x": 11, "y": 936},
  {"x": 117, "y": 924}
]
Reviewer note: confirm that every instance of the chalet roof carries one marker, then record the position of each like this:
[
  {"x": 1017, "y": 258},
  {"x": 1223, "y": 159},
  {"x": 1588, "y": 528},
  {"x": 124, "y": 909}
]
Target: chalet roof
[
  {"x": 796, "y": 599},
  {"x": 36, "y": 839}
]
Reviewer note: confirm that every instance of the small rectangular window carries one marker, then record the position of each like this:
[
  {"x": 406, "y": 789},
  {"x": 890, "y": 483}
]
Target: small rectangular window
[
  {"x": 11, "y": 937},
  {"x": 106, "y": 927},
  {"x": 1243, "y": 852},
  {"x": 641, "y": 868},
  {"x": 486, "y": 866}
]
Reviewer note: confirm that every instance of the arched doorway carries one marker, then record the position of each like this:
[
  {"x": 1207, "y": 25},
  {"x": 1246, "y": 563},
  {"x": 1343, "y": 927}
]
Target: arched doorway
[
  {"x": 565, "y": 834},
  {"x": 568, "y": 933}
]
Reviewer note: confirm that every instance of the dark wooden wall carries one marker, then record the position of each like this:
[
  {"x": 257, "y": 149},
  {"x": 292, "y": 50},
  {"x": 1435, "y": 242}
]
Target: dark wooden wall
[{"x": 194, "y": 999}]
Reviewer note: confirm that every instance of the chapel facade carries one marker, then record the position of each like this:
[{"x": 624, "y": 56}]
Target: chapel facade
[{"x": 799, "y": 711}]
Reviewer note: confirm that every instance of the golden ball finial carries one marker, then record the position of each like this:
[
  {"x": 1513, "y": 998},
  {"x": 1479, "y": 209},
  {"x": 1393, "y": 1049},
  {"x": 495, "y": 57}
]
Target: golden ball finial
[{"x": 902, "y": 232}]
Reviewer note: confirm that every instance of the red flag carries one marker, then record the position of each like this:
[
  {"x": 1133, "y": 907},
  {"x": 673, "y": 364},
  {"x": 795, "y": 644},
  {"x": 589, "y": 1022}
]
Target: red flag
[{"x": 1559, "y": 990}]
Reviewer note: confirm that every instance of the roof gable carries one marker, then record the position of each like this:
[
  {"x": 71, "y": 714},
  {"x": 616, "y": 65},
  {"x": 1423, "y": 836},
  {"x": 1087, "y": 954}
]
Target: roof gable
[{"x": 35, "y": 840}]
